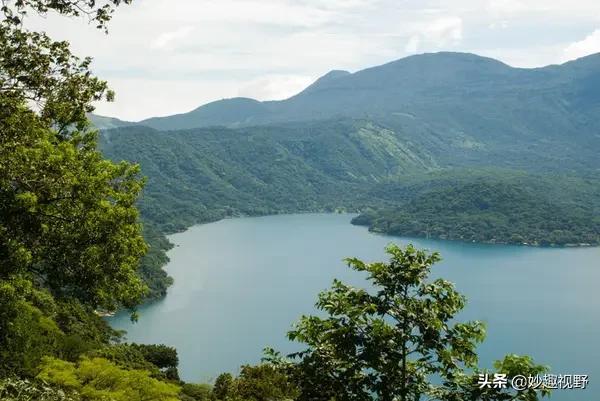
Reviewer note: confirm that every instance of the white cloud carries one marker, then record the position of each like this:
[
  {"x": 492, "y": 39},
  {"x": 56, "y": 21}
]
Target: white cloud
[
  {"x": 589, "y": 45},
  {"x": 436, "y": 34},
  {"x": 445, "y": 31},
  {"x": 168, "y": 56},
  {"x": 166, "y": 38},
  {"x": 502, "y": 24},
  {"x": 413, "y": 44},
  {"x": 504, "y": 7},
  {"x": 275, "y": 87}
]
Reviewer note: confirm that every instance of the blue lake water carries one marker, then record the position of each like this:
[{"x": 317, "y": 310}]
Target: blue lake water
[{"x": 241, "y": 283}]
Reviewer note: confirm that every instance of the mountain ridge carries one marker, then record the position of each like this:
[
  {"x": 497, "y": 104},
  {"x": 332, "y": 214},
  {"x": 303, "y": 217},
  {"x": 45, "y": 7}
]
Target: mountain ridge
[{"x": 411, "y": 77}]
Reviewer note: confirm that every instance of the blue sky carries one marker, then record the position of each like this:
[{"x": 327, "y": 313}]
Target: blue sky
[{"x": 170, "y": 56}]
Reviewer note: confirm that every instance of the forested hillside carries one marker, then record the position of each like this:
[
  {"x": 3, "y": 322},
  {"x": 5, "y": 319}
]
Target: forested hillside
[
  {"x": 206, "y": 174},
  {"x": 493, "y": 207},
  {"x": 409, "y": 188},
  {"x": 465, "y": 109}
]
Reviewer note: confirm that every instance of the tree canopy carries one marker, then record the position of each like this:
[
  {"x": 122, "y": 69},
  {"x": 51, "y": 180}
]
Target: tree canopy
[
  {"x": 70, "y": 236},
  {"x": 397, "y": 341}
]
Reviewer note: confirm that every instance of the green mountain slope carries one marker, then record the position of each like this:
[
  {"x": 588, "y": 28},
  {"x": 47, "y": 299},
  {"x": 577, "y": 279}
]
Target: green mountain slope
[
  {"x": 207, "y": 174},
  {"x": 103, "y": 122},
  {"x": 465, "y": 109}
]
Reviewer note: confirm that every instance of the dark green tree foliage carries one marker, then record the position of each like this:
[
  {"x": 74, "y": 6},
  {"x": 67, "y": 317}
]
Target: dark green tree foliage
[
  {"x": 151, "y": 265},
  {"x": 70, "y": 239},
  {"x": 33, "y": 325},
  {"x": 160, "y": 355},
  {"x": 160, "y": 360},
  {"x": 265, "y": 382},
  {"x": 27, "y": 331},
  {"x": 67, "y": 216},
  {"x": 262, "y": 383},
  {"x": 531, "y": 210},
  {"x": 393, "y": 342},
  {"x": 223, "y": 386},
  {"x": 127, "y": 356},
  {"x": 208, "y": 174},
  {"x": 196, "y": 392}
]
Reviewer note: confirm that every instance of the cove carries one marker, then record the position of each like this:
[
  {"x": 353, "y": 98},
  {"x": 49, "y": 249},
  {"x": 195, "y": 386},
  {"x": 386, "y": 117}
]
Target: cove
[{"x": 241, "y": 283}]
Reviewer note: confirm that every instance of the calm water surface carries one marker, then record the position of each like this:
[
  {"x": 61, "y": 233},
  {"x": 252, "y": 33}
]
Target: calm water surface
[{"x": 240, "y": 283}]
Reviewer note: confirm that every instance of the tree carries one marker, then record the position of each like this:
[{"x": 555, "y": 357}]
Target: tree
[
  {"x": 67, "y": 215},
  {"x": 99, "y": 379},
  {"x": 197, "y": 392},
  {"x": 99, "y": 12},
  {"x": 69, "y": 227},
  {"x": 20, "y": 390},
  {"x": 161, "y": 355},
  {"x": 35, "y": 68},
  {"x": 396, "y": 342},
  {"x": 222, "y": 387},
  {"x": 262, "y": 383}
]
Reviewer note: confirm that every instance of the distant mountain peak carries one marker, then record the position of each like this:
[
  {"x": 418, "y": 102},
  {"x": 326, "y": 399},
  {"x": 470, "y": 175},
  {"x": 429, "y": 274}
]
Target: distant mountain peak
[
  {"x": 334, "y": 74},
  {"x": 447, "y": 82},
  {"x": 327, "y": 78}
]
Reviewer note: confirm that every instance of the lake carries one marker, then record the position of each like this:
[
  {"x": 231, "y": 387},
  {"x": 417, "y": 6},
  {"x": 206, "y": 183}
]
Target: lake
[{"x": 241, "y": 283}]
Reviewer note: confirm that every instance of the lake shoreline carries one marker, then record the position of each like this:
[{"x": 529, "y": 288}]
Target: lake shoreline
[{"x": 241, "y": 283}]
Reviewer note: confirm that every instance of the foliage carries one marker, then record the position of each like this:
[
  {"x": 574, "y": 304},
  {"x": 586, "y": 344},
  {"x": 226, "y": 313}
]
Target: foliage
[
  {"x": 391, "y": 343},
  {"x": 84, "y": 329},
  {"x": 126, "y": 356},
  {"x": 99, "y": 379},
  {"x": 205, "y": 175},
  {"x": 196, "y": 392},
  {"x": 465, "y": 386},
  {"x": 33, "y": 325},
  {"x": 70, "y": 238},
  {"x": 151, "y": 266},
  {"x": 534, "y": 210},
  {"x": 264, "y": 382},
  {"x": 223, "y": 386},
  {"x": 159, "y": 354},
  {"x": 67, "y": 216},
  {"x": 27, "y": 333},
  {"x": 25, "y": 390},
  {"x": 98, "y": 12}
]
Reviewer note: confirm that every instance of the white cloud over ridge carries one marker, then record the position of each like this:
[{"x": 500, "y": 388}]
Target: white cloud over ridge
[
  {"x": 589, "y": 45},
  {"x": 168, "y": 56}
]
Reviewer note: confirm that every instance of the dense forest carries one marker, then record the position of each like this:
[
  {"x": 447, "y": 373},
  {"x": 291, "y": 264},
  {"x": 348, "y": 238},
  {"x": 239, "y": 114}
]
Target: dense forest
[
  {"x": 494, "y": 210},
  {"x": 207, "y": 174}
]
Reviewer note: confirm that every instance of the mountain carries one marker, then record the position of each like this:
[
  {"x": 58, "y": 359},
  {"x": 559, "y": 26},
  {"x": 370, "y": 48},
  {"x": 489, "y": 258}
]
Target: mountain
[
  {"x": 103, "y": 122},
  {"x": 350, "y": 140},
  {"x": 409, "y": 85},
  {"x": 230, "y": 112},
  {"x": 206, "y": 174},
  {"x": 466, "y": 108}
]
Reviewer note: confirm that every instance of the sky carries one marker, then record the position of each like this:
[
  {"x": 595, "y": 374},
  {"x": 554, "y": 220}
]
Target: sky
[{"x": 164, "y": 57}]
